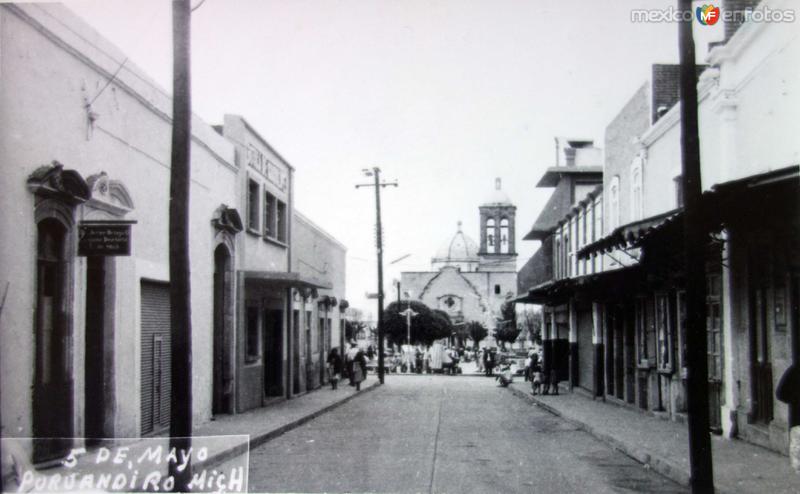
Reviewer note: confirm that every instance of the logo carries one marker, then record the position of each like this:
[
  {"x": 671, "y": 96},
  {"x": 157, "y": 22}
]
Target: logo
[{"x": 708, "y": 15}]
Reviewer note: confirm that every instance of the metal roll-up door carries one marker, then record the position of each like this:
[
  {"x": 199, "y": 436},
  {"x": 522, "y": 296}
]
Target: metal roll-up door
[{"x": 155, "y": 357}]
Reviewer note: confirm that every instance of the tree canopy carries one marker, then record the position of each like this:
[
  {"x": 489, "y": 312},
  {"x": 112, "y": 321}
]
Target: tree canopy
[
  {"x": 428, "y": 325},
  {"x": 476, "y": 331}
]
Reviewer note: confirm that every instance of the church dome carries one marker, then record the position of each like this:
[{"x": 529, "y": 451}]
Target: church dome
[
  {"x": 457, "y": 248},
  {"x": 498, "y": 197}
]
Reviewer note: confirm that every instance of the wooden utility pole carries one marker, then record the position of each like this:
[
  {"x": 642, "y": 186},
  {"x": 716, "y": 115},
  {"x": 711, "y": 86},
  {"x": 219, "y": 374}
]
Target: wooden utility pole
[
  {"x": 180, "y": 429},
  {"x": 376, "y": 172},
  {"x": 695, "y": 239}
]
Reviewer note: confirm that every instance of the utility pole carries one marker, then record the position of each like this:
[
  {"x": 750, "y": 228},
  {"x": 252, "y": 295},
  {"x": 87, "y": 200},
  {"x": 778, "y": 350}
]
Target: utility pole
[
  {"x": 180, "y": 429},
  {"x": 376, "y": 172},
  {"x": 701, "y": 465}
]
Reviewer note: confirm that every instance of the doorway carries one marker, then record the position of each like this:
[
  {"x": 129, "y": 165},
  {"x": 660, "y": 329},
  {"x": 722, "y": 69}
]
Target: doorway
[
  {"x": 222, "y": 391},
  {"x": 273, "y": 352},
  {"x": 99, "y": 359},
  {"x": 760, "y": 359},
  {"x": 53, "y": 382}
]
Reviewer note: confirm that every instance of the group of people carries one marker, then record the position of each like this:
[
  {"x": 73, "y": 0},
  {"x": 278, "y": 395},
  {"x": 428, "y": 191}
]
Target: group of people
[
  {"x": 354, "y": 366},
  {"x": 541, "y": 382},
  {"x": 437, "y": 358}
]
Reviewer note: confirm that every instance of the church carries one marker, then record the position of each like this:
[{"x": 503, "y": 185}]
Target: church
[{"x": 467, "y": 280}]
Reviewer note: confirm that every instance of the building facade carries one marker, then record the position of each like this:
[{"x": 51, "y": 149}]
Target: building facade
[
  {"x": 750, "y": 183},
  {"x": 85, "y": 339}
]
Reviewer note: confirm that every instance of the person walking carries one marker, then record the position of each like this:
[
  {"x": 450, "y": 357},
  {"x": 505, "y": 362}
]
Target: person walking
[
  {"x": 335, "y": 367},
  {"x": 359, "y": 367},
  {"x": 350, "y": 357}
]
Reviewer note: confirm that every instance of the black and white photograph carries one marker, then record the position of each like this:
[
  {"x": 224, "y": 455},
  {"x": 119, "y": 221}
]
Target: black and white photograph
[{"x": 400, "y": 246}]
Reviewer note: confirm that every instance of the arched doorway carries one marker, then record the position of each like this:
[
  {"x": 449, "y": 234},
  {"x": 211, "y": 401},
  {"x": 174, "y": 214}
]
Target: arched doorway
[
  {"x": 223, "y": 311},
  {"x": 53, "y": 382}
]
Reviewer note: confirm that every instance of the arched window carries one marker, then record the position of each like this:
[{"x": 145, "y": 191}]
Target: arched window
[
  {"x": 613, "y": 217},
  {"x": 490, "y": 239},
  {"x": 504, "y": 242}
]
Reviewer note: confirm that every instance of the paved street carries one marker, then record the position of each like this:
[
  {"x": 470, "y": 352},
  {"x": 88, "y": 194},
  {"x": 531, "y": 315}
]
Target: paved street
[{"x": 444, "y": 434}]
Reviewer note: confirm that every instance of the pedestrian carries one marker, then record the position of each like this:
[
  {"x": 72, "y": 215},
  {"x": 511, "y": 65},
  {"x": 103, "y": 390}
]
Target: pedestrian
[
  {"x": 554, "y": 381},
  {"x": 350, "y": 357},
  {"x": 788, "y": 391},
  {"x": 335, "y": 367},
  {"x": 490, "y": 359},
  {"x": 479, "y": 360},
  {"x": 359, "y": 367}
]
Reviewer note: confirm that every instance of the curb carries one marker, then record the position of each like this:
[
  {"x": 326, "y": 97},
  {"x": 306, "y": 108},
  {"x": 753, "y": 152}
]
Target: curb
[
  {"x": 660, "y": 465},
  {"x": 257, "y": 440}
]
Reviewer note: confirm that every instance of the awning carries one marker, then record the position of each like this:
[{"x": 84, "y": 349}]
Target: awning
[
  {"x": 285, "y": 278},
  {"x": 633, "y": 234},
  {"x": 555, "y": 291}
]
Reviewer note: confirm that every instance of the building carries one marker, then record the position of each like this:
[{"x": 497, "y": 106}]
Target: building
[
  {"x": 570, "y": 217},
  {"x": 471, "y": 281},
  {"x": 750, "y": 183},
  {"x": 85, "y": 339}
]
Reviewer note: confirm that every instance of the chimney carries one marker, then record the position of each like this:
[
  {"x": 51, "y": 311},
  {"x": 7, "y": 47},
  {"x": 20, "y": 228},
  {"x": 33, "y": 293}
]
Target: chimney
[
  {"x": 497, "y": 183},
  {"x": 569, "y": 155},
  {"x": 733, "y": 12}
]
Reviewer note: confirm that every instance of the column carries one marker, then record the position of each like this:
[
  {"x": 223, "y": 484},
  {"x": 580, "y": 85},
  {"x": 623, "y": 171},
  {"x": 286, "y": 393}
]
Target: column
[
  {"x": 729, "y": 342},
  {"x": 597, "y": 343},
  {"x": 573, "y": 346}
]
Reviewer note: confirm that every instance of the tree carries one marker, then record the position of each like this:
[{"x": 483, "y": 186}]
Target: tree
[
  {"x": 426, "y": 326},
  {"x": 531, "y": 324},
  {"x": 476, "y": 331},
  {"x": 506, "y": 333}
]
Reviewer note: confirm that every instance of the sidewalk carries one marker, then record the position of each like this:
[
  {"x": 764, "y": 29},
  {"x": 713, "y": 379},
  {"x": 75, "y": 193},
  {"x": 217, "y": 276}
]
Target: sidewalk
[
  {"x": 739, "y": 467},
  {"x": 224, "y": 438}
]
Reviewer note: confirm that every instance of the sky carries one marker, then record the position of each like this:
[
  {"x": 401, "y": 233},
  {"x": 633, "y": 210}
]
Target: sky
[{"x": 443, "y": 95}]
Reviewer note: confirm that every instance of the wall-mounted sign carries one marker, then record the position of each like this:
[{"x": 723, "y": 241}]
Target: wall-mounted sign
[
  {"x": 269, "y": 170},
  {"x": 104, "y": 238}
]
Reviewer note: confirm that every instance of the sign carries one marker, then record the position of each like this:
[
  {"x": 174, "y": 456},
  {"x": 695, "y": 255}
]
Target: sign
[
  {"x": 104, "y": 238},
  {"x": 371, "y": 295}
]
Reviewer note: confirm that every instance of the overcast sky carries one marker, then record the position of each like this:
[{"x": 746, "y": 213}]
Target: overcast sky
[{"x": 443, "y": 95}]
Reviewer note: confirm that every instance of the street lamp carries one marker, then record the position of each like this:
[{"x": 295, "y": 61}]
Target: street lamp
[{"x": 376, "y": 172}]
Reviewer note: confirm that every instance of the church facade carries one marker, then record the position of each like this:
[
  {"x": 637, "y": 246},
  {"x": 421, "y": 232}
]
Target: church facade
[{"x": 470, "y": 281}]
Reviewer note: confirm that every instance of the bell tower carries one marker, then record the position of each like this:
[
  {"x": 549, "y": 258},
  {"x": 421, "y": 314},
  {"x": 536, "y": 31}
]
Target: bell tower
[{"x": 498, "y": 231}]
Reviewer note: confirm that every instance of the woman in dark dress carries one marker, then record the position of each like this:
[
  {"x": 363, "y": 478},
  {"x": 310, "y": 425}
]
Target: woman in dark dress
[{"x": 335, "y": 367}]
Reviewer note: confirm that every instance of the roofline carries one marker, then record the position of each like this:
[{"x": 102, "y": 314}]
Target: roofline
[
  {"x": 316, "y": 227},
  {"x": 261, "y": 138},
  {"x": 552, "y": 175}
]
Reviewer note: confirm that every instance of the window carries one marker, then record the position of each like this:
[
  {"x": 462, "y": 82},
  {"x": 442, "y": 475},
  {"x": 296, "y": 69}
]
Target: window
[
  {"x": 308, "y": 334},
  {"x": 269, "y": 215},
  {"x": 613, "y": 200},
  {"x": 680, "y": 313},
  {"x": 497, "y": 289},
  {"x": 251, "y": 350},
  {"x": 252, "y": 205},
  {"x": 556, "y": 257},
  {"x": 568, "y": 260},
  {"x": 636, "y": 188},
  {"x": 490, "y": 243},
  {"x": 678, "y": 183},
  {"x": 281, "y": 226},
  {"x": 663, "y": 333},
  {"x": 504, "y": 236}
]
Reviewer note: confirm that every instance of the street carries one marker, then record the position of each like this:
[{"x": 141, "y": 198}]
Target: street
[{"x": 444, "y": 434}]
